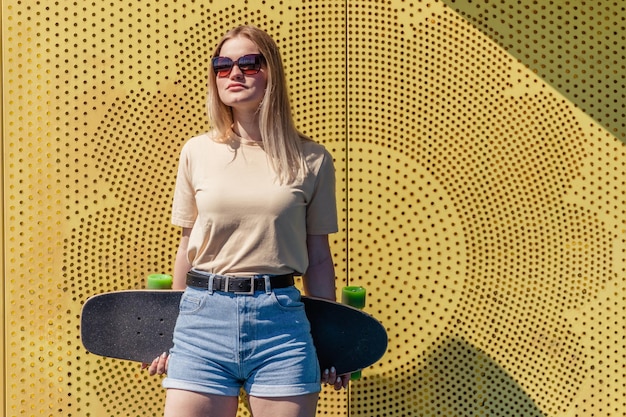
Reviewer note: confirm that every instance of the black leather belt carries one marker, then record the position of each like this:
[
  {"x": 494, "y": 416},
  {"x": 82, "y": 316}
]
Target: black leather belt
[{"x": 238, "y": 285}]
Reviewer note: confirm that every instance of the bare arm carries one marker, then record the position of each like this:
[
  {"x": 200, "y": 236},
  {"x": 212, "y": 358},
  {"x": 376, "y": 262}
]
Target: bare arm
[
  {"x": 319, "y": 281},
  {"x": 181, "y": 264},
  {"x": 319, "y": 278}
]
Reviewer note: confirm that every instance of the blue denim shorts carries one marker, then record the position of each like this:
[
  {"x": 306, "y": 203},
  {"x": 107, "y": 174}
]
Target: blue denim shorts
[{"x": 261, "y": 342}]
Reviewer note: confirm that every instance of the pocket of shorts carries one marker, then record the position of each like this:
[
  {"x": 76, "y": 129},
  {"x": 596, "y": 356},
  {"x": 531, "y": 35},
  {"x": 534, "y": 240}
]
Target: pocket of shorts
[
  {"x": 190, "y": 302},
  {"x": 288, "y": 298}
]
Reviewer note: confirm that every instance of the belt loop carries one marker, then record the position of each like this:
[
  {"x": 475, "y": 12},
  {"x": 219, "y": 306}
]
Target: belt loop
[
  {"x": 210, "y": 286},
  {"x": 268, "y": 284}
]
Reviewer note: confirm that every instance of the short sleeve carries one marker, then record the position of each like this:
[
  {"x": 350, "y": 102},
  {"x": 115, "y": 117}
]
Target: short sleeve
[
  {"x": 184, "y": 210},
  {"x": 321, "y": 215}
]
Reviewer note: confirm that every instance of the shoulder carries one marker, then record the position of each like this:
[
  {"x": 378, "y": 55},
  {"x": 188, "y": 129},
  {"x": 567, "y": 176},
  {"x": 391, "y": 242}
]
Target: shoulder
[
  {"x": 312, "y": 150},
  {"x": 316, "y": 156},
  {"x": 201, "y": 141},
  {"x": 200, "y": 145}
]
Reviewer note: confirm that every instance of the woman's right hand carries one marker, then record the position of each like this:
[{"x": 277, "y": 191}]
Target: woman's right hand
[
  {"x": 330, "y": 377},
  {"x": 158, "y": 365}
]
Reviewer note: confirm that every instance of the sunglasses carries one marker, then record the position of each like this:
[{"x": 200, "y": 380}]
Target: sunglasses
[{"x": 248, "y": 64}]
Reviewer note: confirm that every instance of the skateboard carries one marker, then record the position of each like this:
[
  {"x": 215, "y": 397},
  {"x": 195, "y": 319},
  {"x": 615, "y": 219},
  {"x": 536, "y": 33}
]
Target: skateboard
[{"x": 138, "y": 325}]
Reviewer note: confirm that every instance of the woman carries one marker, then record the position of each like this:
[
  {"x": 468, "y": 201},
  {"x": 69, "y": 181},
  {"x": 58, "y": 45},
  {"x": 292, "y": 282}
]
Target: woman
[{"x": 255, "y": 200}]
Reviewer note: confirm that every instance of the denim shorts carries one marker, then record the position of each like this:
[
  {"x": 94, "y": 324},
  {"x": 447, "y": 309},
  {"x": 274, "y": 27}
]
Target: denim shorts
[{"x": 261, "y": 342}]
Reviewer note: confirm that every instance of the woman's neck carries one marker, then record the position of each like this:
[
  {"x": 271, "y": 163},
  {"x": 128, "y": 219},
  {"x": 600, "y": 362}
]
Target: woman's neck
[{"x": 247, "y": 129}]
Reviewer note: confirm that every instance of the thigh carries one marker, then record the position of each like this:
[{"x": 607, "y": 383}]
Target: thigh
[
  {"x": 297, "y": 406},
  {"x": 180, "y": 403}
]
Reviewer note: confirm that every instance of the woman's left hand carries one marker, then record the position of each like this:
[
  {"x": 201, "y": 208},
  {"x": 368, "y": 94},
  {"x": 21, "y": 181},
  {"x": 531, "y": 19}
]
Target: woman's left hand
[
  {"x": 158, "y": 365},
  {"x": 330, "y": 377}
]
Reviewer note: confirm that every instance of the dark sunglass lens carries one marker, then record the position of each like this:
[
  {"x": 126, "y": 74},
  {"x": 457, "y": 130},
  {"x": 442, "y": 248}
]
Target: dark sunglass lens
[
  {"x": 249, "y": 64},
  {"x": 222, "y": 65}
]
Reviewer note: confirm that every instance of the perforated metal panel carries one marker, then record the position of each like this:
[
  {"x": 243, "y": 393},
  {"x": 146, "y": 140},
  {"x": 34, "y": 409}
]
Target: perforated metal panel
[
  {"x": 575, "y": 46},
  {"x": 482, "y": 209}
]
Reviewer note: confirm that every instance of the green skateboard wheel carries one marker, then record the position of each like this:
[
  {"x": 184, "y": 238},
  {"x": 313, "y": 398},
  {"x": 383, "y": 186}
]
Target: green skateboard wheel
[
  {"x": 354, "y": 297},
  {"x": 159, "y": 282}
]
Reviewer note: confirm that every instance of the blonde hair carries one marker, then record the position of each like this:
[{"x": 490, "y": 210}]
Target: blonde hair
[{"x": 281, "y": 139}]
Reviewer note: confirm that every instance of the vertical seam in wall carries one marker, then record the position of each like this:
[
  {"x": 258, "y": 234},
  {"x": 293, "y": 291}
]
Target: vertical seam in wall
[
  {"x": 3, "y": 287},
  {"x": 347, "y": 164},
  {"x": 347, "y": 142}
]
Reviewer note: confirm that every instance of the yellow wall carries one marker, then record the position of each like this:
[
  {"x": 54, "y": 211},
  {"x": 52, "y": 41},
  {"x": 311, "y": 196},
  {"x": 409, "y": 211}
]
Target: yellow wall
[{"x": 482, "y": 200}]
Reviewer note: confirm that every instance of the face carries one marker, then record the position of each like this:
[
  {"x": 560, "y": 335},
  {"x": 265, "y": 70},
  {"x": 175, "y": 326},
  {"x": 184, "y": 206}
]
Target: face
[{"x": 237, "y": 90}]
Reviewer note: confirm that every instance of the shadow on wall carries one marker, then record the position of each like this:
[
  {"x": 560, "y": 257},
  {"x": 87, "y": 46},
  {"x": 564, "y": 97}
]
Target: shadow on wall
[
  {"x": 577, "y": 48},
  {"x": 453, "y": 379}
]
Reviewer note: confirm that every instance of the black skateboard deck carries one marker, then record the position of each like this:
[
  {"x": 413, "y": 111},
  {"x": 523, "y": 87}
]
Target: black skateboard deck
[{"x": 138, "y": 325}]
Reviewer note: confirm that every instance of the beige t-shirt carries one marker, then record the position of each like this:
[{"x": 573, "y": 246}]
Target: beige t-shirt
[{"x": 243, "y": 222}]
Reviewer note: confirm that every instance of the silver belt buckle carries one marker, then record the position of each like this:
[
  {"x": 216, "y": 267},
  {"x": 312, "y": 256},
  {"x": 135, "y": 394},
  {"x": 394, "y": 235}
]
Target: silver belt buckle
[{"x": 250, "y": 292}]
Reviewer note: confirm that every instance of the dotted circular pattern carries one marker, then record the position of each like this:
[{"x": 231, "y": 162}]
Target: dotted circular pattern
[{"x": 481, "y": 208}]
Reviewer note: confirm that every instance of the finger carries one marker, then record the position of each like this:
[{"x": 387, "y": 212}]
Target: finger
[
  {"x": 325, "y": 376},
  {"x": 332, "y": 375},
  {"x": 152, "y": 370},
  {"x": 338, "y": 383},
  {"x": 161, "y": 367},
  {"x": 342, "y": 381},
  {"x": 167, "y": 363}
]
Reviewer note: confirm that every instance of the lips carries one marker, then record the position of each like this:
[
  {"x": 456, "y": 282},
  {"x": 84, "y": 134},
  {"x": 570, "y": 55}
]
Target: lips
[{"x": 235, "y": 86}]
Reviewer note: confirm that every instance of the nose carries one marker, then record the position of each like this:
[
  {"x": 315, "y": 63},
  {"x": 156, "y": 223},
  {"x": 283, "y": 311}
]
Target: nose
[{"x": 235, "y": 71}]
